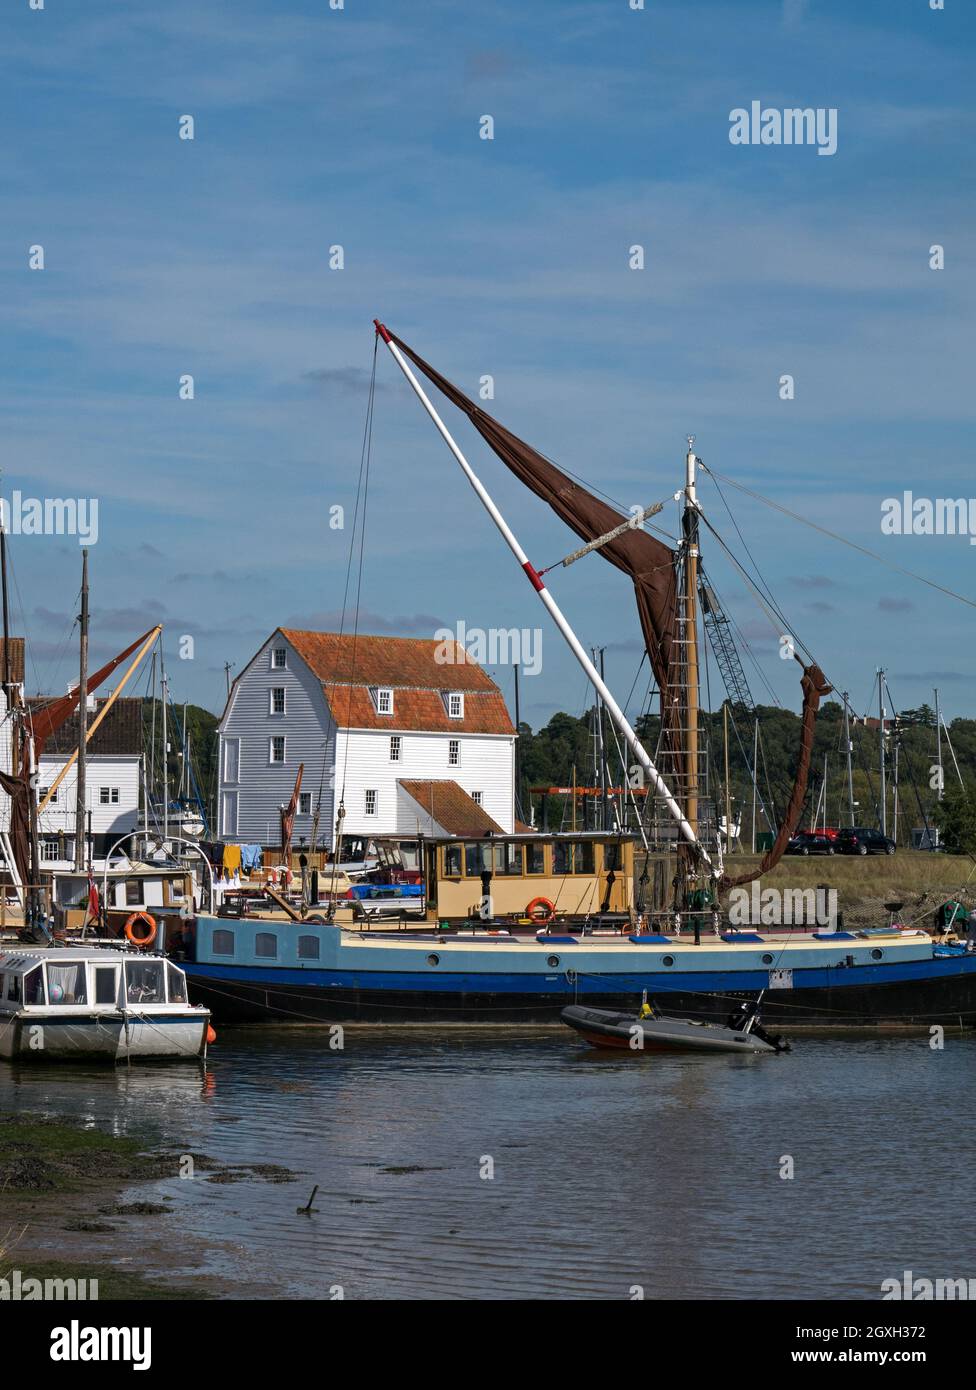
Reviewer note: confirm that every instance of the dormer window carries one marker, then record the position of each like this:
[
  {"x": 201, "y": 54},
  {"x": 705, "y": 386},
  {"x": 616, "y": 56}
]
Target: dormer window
[
  {"x": 455, "y": 704},
  {"x": 384, "y": 700}
]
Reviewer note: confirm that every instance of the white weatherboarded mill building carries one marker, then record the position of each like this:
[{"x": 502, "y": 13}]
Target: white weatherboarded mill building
[{"x": 363, "y": 714}]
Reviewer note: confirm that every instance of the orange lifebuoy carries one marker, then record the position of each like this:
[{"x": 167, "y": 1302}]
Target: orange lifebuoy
[
  {"x": 130, "y": 934},
  {"x": 548, "y": 911}
]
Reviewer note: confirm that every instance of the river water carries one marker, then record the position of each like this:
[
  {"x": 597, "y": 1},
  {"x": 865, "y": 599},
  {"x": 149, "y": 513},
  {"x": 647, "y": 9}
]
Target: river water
[{"x": 511, "y": 1163}]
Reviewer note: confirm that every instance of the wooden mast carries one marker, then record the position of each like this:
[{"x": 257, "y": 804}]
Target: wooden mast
[
  {"x": 80, "y": 807},
  {"x": 690, "y": 637}
]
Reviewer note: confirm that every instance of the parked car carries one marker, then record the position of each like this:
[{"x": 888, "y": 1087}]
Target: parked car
[
  {"x": 859, "y": 840},
  {"x": 810, "y": 842}
]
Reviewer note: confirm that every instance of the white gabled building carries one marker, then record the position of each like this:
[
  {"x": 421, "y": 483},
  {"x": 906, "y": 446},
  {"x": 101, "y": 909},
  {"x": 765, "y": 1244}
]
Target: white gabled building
[
  {"x": 363, "y": 714},
  {"x": 113, "y": 782}
]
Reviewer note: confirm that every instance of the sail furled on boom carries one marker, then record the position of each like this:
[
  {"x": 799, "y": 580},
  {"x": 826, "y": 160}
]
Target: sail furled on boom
[{"x": 649, "y": 563}]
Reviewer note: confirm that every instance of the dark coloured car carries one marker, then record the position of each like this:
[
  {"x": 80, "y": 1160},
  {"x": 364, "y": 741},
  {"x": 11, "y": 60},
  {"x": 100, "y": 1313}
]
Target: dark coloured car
[
  {"x": 810, "y": 843},
  {"x": 860, "y": 840}
]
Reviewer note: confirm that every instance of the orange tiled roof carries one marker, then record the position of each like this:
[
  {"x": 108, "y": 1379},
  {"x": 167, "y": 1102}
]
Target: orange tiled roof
[
  {"x": 408, "y": 666},
  {"x": 452, "y": 807}
]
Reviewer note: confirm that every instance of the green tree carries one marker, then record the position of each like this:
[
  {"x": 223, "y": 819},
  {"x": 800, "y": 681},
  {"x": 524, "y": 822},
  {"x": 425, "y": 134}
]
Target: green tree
[{"x": 955, "y": 815}]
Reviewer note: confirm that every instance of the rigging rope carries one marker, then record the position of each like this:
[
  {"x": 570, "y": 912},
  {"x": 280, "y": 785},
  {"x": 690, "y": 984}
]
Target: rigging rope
[{"x": 863, "y": 549}]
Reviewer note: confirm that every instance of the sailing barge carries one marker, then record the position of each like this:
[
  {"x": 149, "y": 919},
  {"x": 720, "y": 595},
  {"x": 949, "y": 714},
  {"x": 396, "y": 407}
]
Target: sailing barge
[{"x": 261, "y": 968}]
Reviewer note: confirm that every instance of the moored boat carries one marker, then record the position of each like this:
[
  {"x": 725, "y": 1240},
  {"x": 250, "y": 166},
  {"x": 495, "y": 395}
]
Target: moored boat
[
  {"x": 649, "y": 1031},
  {"x": 97, "y": 1004}
]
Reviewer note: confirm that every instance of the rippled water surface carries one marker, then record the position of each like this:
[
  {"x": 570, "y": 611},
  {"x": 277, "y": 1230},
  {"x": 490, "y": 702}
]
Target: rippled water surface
[{"x": 609, "y": 1171}]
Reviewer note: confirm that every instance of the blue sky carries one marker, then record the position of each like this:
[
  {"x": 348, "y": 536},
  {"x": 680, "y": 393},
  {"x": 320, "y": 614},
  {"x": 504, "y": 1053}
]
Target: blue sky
[{"x": 508, "y": 257}]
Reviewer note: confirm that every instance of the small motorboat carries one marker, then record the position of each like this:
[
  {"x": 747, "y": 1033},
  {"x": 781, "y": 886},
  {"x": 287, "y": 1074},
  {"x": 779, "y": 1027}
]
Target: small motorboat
[
  {"x": 97, "y": 1003},
  {"x": 651, "y": 1031}
]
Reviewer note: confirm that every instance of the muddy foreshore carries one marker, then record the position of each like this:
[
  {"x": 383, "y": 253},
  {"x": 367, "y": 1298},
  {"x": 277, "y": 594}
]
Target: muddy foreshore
[{"x": 71, "y": 1207}]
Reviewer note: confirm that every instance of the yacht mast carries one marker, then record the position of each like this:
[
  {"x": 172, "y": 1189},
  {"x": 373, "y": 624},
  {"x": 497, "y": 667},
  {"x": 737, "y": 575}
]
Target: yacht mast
[
  {"x": 82, "y": 775},
  {"x": 689, "y": 636},
  {"x": 687, "y": 829}
]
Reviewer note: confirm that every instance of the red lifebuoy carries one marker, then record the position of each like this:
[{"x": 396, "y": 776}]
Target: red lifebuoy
[
  {"x": 541, "y": 910},
  {"x": 130, "y": 934}
]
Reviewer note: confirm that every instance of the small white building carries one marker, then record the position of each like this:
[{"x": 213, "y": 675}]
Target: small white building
[
  {"x": 113, "y": 781},
  {"x": 364, "y": 715}
]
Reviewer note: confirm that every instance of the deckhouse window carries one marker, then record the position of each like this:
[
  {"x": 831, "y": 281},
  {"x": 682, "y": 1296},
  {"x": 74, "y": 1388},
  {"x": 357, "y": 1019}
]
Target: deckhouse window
[
  {"x": 279, "y": 658},
  {"x": 384, "y": 700},
  {"x": 455, "y": 704},
  {"x": 176, "y": 982},
  {"x": 277, "y": 704},
  {"x": 276, "y": 752},
  {"x": 454, "y": 752},
  {"x": 34, "y": 986},
  {"x": 144, "y": 981},
  {"x": 223, "y": 942},
  {"x": 535, "y": 859},
  {"x": 572, "y": 857},
  {"x": 266, "y": 945},
  {"x": 395, "y": 748},
  {"x": 66, "y": 984},
  {"x": 308, "y": 948}
]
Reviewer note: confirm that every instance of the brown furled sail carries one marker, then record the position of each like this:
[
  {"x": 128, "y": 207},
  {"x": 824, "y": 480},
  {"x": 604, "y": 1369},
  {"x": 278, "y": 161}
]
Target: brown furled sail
[
  {"x": 652, "y": 567},
  {"x": 648, "y": 562},
  {"x": 48, "y": 718},
  {"x": 815, "y": 687}
]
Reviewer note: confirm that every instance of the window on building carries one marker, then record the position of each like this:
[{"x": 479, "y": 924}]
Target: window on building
[
  {"x": 108, "y": 796},
  {"x": 279, "y": 658},
  {"x": 304, "y": 803},
  {"x": 277, "y": 705},
  {"x": 223, "y": 942},
  {"x": 369, "y": 800},
  {"x": 232, "y": 759},
  {"x": 49, "y": 850},
  {"x": 384, "y": 700},
  {"x": 133, "y": 892},
  {"x": 455, "y": 704},
  {"x": 452, "y": 861},
  {"x": 454, "y": 753},
  {"x": 43, "y": 791},
  {"x": 266, "y": 945},
  {"x": 476, "y": 797},
  {"x": 228, "y": 813},
  {"x": 395, "y": 748},
  {"x": 276, "y": 753},
  {"x": 308, "y": 948}
]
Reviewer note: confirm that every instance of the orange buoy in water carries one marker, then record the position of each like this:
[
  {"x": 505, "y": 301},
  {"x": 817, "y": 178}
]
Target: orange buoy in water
[{"x": 142, "y": 940}]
